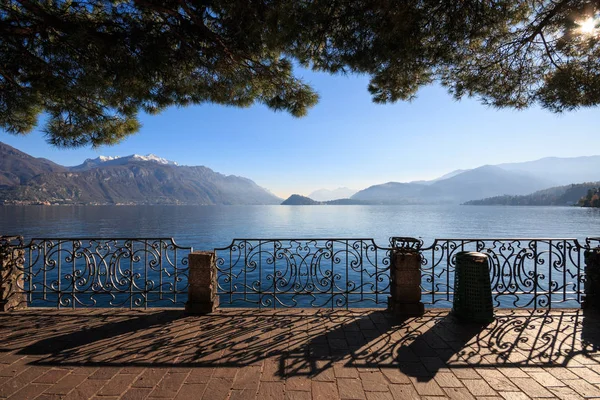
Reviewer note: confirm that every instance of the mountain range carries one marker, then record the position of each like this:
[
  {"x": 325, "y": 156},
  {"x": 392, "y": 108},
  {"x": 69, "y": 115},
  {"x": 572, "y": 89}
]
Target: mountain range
[
  {"x": 120, "y": 180},
  {"x": 150, "y": 179},
  {"x": 486, "y": 181}
]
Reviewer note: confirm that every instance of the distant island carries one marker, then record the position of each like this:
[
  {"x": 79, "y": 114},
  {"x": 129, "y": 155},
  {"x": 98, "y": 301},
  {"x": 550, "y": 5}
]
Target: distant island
[
  {"x": 568, "y": 195},
  {"x": 298, "y": 200}
]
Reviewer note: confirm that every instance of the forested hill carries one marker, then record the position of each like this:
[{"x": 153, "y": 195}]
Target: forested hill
[
  {"x": 591, "y": 199},
  {"x": 555, "y": 196}
]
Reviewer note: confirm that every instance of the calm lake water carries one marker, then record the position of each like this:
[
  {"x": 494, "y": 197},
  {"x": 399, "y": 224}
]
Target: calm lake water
[{"x": 206, "y": 227}]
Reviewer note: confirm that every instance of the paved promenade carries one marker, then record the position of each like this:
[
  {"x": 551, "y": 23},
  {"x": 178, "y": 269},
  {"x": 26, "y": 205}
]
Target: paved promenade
[{"x": 296, "y": 354}]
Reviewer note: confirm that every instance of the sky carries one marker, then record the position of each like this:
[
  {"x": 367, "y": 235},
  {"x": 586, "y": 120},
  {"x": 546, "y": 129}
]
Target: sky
[{"x": 346, "y": 140}]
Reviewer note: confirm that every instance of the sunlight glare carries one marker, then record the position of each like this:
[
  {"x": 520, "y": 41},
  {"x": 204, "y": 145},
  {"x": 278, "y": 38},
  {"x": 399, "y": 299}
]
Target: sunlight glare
[{"x": 588, "y": 27}]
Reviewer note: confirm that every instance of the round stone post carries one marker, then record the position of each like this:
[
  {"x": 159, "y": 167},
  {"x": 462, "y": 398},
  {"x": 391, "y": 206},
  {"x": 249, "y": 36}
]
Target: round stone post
[
  {"x": 12, "y": 296},
  {"x": 405, "y": 283},
  {"x": 591, "y": 298},
  {"x": 202, "y": 283}
]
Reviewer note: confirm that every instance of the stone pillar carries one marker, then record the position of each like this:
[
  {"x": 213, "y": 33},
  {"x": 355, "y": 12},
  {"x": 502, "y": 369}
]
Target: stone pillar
[
  {"x": 202, "y": 283},
  {"x": 12, "y": 296},
  {"x": 472, "y": 288},
  {"x": 591, "y": 298},
  {"x": 405, "y": 283}
]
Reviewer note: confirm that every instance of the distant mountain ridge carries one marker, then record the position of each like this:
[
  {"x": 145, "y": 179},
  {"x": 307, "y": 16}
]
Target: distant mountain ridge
[
  {"x": 485, "y": 181},
  {"x": 568, "y": 195},
  {"x": 122, "y": 180},
  {"x": 510, "y": 179},
  {"x": 106, "y": 161},
  {"x": 17, "y": 167}
]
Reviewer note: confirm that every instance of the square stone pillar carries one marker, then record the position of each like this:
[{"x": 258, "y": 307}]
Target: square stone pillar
[
  {"x": 591, "y": 298},
  {"x": 12, "y": 296},
  {"x": 405, "y": 283},
  {"x": 202, "y": 283}
]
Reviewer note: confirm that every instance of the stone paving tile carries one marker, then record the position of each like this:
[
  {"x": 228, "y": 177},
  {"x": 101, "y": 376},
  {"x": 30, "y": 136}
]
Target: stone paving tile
[
  {"x": 247, "y": 378},
  {"x": 293, "y": 395},
  {"x": 342, "y": 371},
  {"x": 169, "y": 385},
  {"x": 587, "y": 374},
  {"x": 324, "y": 390},
  {"x": 497, "y": 380},
  {"x": 379, "y": 396},
  {"x": 465, "y": 373},
  {"x": 298, "y": 383},
  {"x": 217, "y": 389},
  {"x": 565, "y": 393},
  {"x": 394, "y": 375},
  {"x": 561, "y": 373},
  {"x": 350, "y": 388},
  {"x": 199, "y": 375},
  {"x": 242, "y": 394},
  {"x": 149, "y": 378},
  {"x": 514, "y": 396},
  {"x": 271, "y": 391},
  {"x": 546, "y": 379},
  {"x": 459, "y": 393},
  {"x": 447, "y": 380},
  {"x": 118, "y": 385},
  {"x": 374, "y": 381},
  {"x": 66, "y": 384},
  {"x": 583, "y": 388},
  {"x": 479, "y": 387},
  {"x": 401, "y": 392},
  {"x": 105, "y": 373},
  {"x": 427, "y": 387},
  {"x": 136, "y": 394},
  {"x": 531, "y": 388},
  {"x": 30, "y": 391},
  {"x": 87, "y": 389}
]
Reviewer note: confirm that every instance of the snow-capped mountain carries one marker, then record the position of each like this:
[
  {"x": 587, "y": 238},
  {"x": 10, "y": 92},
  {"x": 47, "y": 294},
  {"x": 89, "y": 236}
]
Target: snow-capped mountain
[{"x": 107, "y": 160}]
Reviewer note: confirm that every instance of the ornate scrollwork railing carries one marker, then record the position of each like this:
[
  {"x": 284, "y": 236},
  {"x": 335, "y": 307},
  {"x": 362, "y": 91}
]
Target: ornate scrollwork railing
[
  {"x": 328, "y": 273},
  {"x": 528, "y": 273},
  {"x": 105, "y": 273}
]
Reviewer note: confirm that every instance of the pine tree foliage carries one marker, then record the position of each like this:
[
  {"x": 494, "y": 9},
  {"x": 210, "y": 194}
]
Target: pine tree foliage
[{"x": 92, "y": 66}]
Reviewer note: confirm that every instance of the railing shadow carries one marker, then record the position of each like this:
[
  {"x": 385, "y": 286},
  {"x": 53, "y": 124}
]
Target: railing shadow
[{"x": 301, "y": 342}]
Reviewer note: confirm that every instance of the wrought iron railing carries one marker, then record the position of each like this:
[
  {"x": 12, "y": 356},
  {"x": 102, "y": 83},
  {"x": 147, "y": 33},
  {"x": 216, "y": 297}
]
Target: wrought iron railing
[
  {"x": 328, "y": 273},
  {"x": 272, "y": 273},
  {"x": 524, "y": 272},
  {"x": 91, "y": 272}
]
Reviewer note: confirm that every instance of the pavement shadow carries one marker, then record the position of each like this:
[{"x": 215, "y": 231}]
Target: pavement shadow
[
  {"x": 102, "y": 329},
  {"x": 292, "y": 343}
]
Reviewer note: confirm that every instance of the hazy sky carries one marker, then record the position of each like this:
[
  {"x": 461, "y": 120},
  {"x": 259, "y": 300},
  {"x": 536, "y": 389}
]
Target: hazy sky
[{"x": 345, "y": 140}]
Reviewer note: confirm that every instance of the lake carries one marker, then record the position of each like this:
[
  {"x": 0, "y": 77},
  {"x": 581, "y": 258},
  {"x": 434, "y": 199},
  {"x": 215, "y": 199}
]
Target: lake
[
  {"x": 209, "y": 227},
  {"x": 206, "y": 227}
]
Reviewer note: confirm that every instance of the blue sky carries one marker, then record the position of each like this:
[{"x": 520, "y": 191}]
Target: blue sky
[{"x": 345, "y": 140}]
